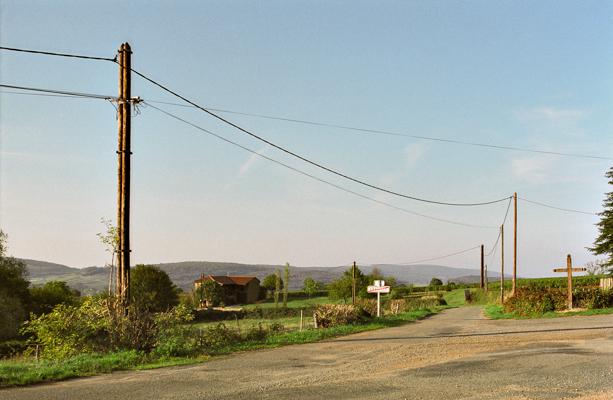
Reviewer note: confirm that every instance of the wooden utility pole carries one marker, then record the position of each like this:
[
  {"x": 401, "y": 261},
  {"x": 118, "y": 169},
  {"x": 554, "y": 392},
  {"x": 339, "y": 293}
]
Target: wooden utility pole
[
  {"x": 502, "y": 264},
  {"x": 514, "y": 244},
  {"x": 569, "y": 271},
  {"x": 123, "y": 173},
  {"x": 482, "y": 283},
  {"x": 353, "y": 284}
]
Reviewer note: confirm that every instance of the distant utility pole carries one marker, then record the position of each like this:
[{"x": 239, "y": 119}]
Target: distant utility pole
[
  {"x": 482, "y": 283},
  {"x": 514, "y": 245},
  {"x": 123, "y": 173},
  {"x": 353, "y": 284},
  {"x": 502, "y": 264}
]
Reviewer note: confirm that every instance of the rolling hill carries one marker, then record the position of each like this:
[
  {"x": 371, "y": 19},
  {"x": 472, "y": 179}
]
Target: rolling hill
[{"x": 95, "y": 279}]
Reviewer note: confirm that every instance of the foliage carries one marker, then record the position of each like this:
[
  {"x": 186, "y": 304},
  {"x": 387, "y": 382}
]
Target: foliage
[
  {"x": 52, "y": 293},
  {"x": 100, "y": 324},
  {"x": 311, "y": 287},
  {"x": 286, "y": 286},
  {"x": 341, "y": 288},
  {"x": 269, "y": 283},
  {"x": 337, "y": 314},
  {"x": 603, "y": 245},
  {"x": 11, "y": 348},
  {"x": 435, "y": 282},
  {"x": 212, "y": 293},
  {"x": 152, "y": 289},
  {"x": 593, "y": 298},
  {"x": 14, "y": 294},
  {"x": 277, "y": 287}
]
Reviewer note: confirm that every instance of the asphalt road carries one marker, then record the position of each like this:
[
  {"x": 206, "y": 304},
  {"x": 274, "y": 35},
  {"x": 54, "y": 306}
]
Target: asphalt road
[{"x": 454, "y": 355}]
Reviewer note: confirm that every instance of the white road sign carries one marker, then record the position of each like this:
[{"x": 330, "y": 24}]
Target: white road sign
[{"x": 378, "y": 289}]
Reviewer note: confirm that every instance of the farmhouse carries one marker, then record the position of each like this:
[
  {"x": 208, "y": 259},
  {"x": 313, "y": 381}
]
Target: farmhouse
[{"x": 236, "y": 289}]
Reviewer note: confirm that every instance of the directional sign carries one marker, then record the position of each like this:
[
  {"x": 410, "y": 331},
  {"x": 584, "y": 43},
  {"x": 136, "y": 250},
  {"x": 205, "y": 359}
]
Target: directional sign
[{"x": 378, "y": 289}]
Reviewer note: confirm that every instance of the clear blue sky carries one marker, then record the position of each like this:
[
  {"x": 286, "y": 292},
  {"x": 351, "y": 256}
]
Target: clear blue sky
[{"x": 529, "y": 74}]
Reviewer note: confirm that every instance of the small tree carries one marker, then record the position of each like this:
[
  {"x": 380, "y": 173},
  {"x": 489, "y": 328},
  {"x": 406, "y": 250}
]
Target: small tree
[
  {"x": 52, "y": 293},
  {"x": 286, "y": 286},
  {"x": 152, "y": 289},
  {"x": 270, "y": 283},
  {"x": 603, "y": 245},
  {"x": 15, "y": 297},
  {"x": 213, "y": 292},
  {"x": 311, "y": 286},
  {"x": 436, "y": 283},
  {"x": 277, "y": 287}
]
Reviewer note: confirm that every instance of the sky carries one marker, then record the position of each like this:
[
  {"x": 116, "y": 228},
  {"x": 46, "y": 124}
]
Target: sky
[{"x": 536, "y": 75}]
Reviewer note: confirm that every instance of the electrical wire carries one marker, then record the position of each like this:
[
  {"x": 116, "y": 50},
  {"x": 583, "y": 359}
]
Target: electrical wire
[
  {"x": 556, "y": 208},
  {"x": 49, "y": 53},
  {"x": 313, "y": 176},
  {"x": 504, "y": 220},
  {"x": 60, "y": 92},
  {"x": 433, "y": 258},
  {"x": 390, "y": 133},
  {"x": 316, "y": 164}
]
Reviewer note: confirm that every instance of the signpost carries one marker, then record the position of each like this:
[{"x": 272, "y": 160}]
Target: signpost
[
  {"x": 378, "y": 287},
  {"x": 569, "y": 270}
]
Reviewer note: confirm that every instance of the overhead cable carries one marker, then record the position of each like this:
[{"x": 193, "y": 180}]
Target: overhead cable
[
  {"x": 315, "y": 177},
  {"x": 60, "y": 92},
  {"x": 316, "y": 164},
  {"x": 538, "y": 203},
  {"x": 392, "y": 133},
  {"x": 431, "y": 259},
  {"x": 49, "y": 53}
]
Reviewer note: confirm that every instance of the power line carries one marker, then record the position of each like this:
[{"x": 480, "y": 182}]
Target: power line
[
  {"x": 60, "y": 92},
  {"x": 433, "y": 258},
  {"x": 49, "y": 53},
  {"x": 504, "y": 220},
  {"x": 316, "y": 164},
  {"x": 313, "y": 176},
  {"x": 556, "y": 208},
  {"x": 391, "y": 133}
]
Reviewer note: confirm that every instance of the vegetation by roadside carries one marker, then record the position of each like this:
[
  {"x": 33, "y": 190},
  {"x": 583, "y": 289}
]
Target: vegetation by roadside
[
  {"x": 496, "y": 311},
  {"x": 24, "y": 371}
]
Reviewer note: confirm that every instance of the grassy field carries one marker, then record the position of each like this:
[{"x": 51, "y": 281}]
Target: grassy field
[
  {"x": 25, "y": 371},
  {"x": 299, "y": 303},
  {"x": 496, "y": 311}
]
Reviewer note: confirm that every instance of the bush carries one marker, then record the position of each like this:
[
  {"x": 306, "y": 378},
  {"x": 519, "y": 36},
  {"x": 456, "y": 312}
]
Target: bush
[
  {"x": 12, "y": 348},
  {"x": 529, "y": 301},
  {"x": 52, "y": 293},
  {"x": 152, "y": 289},
  {"x": 328, "y": 315},
  {"x": 100, "y": 325},
  {"x": 593, "y": 297}
]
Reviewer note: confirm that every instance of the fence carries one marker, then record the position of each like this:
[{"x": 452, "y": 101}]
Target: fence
[{"x": 606, "y": 283}]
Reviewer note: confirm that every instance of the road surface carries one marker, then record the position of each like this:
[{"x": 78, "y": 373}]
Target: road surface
[{"x": 457, "y": 354}]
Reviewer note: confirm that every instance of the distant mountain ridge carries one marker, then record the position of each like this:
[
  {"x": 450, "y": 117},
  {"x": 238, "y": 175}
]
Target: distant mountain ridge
[{"x": 95, "y": 279}]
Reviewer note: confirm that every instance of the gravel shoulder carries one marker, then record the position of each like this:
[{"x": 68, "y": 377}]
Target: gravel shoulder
[{"x": 457, "y": 354}]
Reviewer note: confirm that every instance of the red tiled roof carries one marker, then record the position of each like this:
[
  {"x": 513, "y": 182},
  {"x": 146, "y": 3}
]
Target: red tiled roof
[{"x": 229, "y": 280}]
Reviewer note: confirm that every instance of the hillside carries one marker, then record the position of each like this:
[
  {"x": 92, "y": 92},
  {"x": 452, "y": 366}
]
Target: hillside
[{"x": 95, "y": 279}]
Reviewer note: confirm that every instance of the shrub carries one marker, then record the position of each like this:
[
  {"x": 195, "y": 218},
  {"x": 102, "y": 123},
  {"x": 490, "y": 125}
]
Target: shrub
[
  {"x": 152, "y": 289},
  {"x": 367, "y": 306},
  {"x": 12, "y": 348},
  {"x": 528, "y": 301},
  {"x": 100, "y": 324},
  {"x": 218, "y": 336},
  {"x": 52, "y": 293},
  {"x": 593, "y": 297},
  {"x": 328, "y": 315}
]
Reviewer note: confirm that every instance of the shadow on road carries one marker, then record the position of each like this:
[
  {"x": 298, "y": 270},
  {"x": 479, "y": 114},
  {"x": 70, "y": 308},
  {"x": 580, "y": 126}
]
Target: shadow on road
[{"x": 444, "y": 335}]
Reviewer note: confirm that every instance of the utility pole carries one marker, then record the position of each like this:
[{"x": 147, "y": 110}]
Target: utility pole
[
  {"x": 502, "y": 264},
  {"x": 123, "y": 173},
  {"x": 482, "y": 283},
  {"x": 514, "y": 244},
  {"x": 353, "y": 284}
]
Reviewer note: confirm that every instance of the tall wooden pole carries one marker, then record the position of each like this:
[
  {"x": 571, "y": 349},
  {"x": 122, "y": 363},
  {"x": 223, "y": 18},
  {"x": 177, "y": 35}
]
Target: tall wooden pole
[
  {"x": 502, "y": 264},
  {"x": 482, "y": 283},
  {"x": 353, "y": 284},
  {"x": 123, "y": 184},
  {"x": 514, "y": 244},
  {"x": 569, "y": 268}
]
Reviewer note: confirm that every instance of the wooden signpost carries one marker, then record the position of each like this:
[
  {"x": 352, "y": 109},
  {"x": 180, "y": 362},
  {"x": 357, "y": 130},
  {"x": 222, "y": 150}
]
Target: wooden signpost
[{"x": 569, "y": 270}]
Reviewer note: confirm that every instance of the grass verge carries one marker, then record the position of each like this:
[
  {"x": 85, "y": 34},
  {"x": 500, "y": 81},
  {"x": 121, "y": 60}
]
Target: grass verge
[
  {"x": 21, "y": 371},
  {"x": 496, "y": 311}
]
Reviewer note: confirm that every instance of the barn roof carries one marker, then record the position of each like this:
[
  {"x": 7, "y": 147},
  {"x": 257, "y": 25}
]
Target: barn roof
[{"x": 228, "y": 280}]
